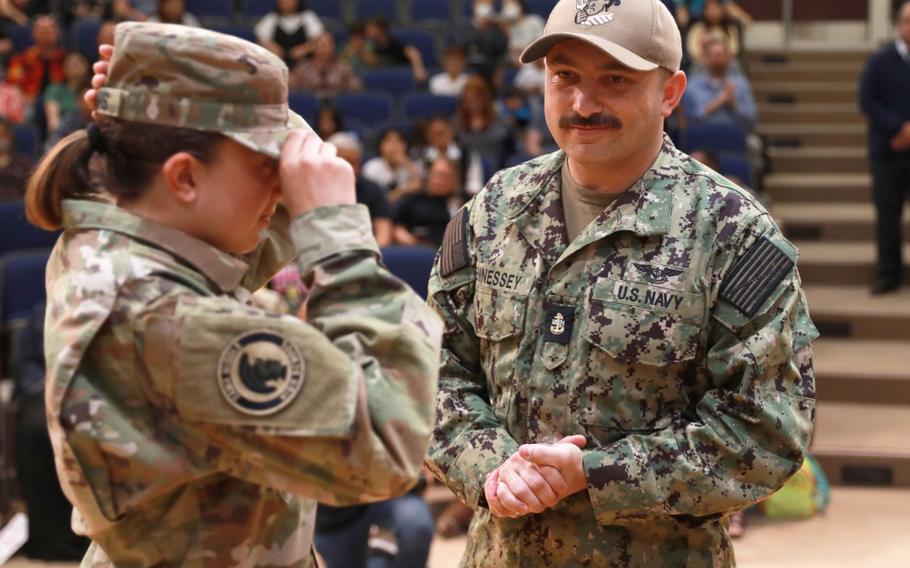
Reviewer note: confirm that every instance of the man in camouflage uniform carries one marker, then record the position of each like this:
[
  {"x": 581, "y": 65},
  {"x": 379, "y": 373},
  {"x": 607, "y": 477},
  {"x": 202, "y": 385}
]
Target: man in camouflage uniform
[
  {"x": 626, "y": 357},
  {"x": 191, "y": 428}
]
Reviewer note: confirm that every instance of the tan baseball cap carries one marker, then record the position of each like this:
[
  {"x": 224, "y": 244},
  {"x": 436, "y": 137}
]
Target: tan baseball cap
[
  {"x": 640, "y": 34},
  {"x": 195, "y": 78}
]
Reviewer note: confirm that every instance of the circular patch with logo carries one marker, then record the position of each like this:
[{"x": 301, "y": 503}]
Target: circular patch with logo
[{"x": 260, "y": 373}]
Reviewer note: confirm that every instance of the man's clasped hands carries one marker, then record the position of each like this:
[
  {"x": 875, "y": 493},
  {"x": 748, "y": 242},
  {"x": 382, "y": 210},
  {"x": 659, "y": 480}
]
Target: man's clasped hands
[{"x": 536, "y": 477}]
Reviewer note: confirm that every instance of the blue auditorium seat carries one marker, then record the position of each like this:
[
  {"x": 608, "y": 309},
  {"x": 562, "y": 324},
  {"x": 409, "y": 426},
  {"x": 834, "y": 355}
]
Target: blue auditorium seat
[
  {"x": 243, "y": 32},
  {"x": 422, "y": 40},
  {"x": 17, "y": 234},
  {"x": 411, "y": 264},
  {"x": 21, "y": 35},
  {"x": 429, "y": 11},
  {"x": 211, "y": 9},
  {"x": 26, "y": 138},
  {"x": 304, "y": 104},
  {"x": 393, "y": 80},
  {"x": 736, "y": 165},
  {"x": 84, "y": 35},
  {"x": 369, "y": 107},
  {"x": 366, "y": 9},
  {"x": 540, "y": 7},
  {"x": 21, "y": 283},
  {"x": 716, "y": 137},
  {"x": 424, "y": 105}
]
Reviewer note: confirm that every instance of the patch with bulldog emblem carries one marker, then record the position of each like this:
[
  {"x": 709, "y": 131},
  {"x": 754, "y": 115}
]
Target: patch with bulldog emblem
[
  {"x": 260, "y": 373},
  {"x": 595, "y": 12}
]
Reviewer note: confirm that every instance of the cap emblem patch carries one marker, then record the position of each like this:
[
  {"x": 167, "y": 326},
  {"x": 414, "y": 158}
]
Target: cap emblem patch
[{"x": 595, "y": 12}]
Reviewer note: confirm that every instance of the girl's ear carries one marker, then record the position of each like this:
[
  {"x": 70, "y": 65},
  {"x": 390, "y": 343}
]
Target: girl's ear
[{"x": 183, "y": 174}]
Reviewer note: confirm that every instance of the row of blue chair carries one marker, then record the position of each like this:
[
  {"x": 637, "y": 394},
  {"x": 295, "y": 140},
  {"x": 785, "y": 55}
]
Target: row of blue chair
[{"x": 372, "y": 108}]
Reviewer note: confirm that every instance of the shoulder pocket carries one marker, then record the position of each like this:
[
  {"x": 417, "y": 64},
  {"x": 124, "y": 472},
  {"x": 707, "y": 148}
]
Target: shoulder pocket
[{"x": 246, "y": 367}]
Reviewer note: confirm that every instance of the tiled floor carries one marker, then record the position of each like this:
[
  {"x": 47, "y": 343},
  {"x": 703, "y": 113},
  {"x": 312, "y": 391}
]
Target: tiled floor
[{"x": 863, "y": 528}]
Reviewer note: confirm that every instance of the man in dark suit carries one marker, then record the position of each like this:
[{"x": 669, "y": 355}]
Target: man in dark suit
[{"x": 885, "y": 99}]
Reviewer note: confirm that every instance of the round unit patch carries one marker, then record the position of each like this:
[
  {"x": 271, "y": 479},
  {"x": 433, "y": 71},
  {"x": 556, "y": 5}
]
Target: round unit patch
[{"x": 260, "y": 373}]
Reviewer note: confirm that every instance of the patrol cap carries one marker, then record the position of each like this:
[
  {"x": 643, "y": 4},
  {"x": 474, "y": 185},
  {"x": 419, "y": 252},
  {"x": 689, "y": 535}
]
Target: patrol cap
[
  {"x": 187, "y": 77},
  {"x": 640, "y": 34}
]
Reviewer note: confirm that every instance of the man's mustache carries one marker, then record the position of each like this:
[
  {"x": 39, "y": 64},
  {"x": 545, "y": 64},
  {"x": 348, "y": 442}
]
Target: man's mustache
[{"x": 593, "y": 121}]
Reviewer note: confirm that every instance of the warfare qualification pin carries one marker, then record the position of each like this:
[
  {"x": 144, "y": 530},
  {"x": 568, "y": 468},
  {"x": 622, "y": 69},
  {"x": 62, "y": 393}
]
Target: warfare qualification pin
[{"x": 260, "y": 373}]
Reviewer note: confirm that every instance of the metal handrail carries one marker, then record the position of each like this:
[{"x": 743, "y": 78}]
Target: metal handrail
[{"x": 788, "y": 21}]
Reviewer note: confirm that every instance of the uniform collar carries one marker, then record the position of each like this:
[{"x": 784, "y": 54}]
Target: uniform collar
[
  {"x": 224, "y": 270},
  {"x": 644, "y": 209}
]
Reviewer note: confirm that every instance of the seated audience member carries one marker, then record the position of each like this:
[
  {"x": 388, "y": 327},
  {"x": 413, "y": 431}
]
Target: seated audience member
[
  {"x": 521, "y": 27},
  {"x": 354, "y": 52},
  {"x": 12, "y": 103},
  {"x": 49, "y": 513},
  {"x": 689, "y": 11},
  {"x": 421, "y": 217},
  {"x": 139, "y": 10},
  {"x": 439, "y": 141},
  {"x": 715, "y": 25},
  {"x": 531, "y": 78},
  {"x": 368, "y": 193},
  {"x": 478, "y": 126},
  {"x": 393, "y": 169},
  {"x": 74, "y": 120},
  {"x": 454, "y": 75},
  {"x": 328, "y": 120},
  {"x": 394, "y": 533},
  {"x": 718, "y": 96},
  {"x": 488, "y": 43},
  {"x": 21, "y": 11},
  {"x": 174, "y": 12},
  {"x": 61, "y": 98},
  {"x": 91, "y": 10},
  {"x": 41, "y": 64},
  {"x": 289, "y": 31},
  {"x": 106, "y": 33},
  {"x": 516, "y": 109},
  {"x": 323, "y": 74},
  {"x": 14, "y": 168},
  {"x": 383, "y": 50}
]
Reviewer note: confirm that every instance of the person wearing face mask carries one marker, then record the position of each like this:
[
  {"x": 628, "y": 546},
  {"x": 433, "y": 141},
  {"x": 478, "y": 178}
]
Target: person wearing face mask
[{"x": 523, "y": 28}]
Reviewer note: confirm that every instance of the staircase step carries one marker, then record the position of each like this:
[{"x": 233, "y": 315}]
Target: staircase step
[
  {"x": 829, "y": 221},
  {"x": 797, "y": 135},
  {"x": 850, "y": 312},
  {"x": 814, "y": 113},
  {"x": 839, "y": 263},
  {"x": 863, "y": 444},
  {"x": 864, "y": 371},
  {"x": 819, "y": 188},
  {"x": 805, "y": 91},
  {"x": 814, "y": 159},
  {"x": 804, "y": 71},
  {"x": 856, "y": 57}
]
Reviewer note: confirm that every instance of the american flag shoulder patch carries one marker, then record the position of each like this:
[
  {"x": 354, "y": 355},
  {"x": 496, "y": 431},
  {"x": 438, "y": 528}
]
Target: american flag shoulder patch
[
  {"x": 755, "y": 276},
  {"x": 453, "y": 255}
]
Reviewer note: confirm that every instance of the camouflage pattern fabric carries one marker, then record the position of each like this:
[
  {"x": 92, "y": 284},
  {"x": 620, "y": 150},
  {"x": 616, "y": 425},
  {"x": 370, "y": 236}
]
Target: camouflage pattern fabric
[
  {"x": 195, "y": 78},
  {"x": 691, "y": 408},
  {"x": 192, "y": 429}
]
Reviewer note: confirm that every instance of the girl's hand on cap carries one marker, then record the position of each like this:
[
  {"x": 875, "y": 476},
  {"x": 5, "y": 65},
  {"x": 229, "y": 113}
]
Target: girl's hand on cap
[
  {"x": 100, "y": 77},
  {"x": 312, "y": 175}
]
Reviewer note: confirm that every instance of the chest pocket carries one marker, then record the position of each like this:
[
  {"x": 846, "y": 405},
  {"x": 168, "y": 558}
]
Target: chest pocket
[
  {"x": 643, "y": 324},
  {"x": 499, "y": 322}
]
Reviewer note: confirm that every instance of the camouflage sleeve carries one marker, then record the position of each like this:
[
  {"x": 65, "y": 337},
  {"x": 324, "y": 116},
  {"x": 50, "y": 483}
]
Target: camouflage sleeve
[
  {"x": 749, "y": 432},
  {"x": 337, "y": 409},
  {"x": 275, "y": 251},
  {"x": 468, "y": 440}
]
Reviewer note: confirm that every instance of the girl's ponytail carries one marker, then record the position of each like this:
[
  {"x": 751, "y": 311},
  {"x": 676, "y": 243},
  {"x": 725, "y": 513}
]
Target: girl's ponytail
[{"x": 61, "y": 174}]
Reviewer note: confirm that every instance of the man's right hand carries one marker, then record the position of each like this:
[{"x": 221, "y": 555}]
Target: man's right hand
[{"x": 901, "y": 141}]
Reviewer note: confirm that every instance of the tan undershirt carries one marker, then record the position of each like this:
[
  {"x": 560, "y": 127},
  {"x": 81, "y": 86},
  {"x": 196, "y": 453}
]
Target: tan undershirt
[{"x": 581, "y": 205}]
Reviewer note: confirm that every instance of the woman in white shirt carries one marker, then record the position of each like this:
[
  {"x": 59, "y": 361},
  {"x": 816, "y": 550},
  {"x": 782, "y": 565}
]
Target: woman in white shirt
[
  {"x": 290, "y": 31},
  {"x": 393, "y": 169}
]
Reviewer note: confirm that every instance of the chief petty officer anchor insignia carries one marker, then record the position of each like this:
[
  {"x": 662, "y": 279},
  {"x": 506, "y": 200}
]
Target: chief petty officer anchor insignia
[
  {"x": 559, "y": 322},
  {"x": 260, "y": 373}
]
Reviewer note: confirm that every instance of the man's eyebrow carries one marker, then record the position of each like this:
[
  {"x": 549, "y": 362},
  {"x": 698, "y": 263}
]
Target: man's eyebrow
[{"x": 562, "y": 59}]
